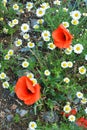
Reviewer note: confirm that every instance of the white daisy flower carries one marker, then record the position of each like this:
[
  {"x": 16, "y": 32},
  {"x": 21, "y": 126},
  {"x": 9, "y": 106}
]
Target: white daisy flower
[
  {"x": 15, "y": 7},
  {"x": 65, "y": 9},
  {"x": 30, "y": 44},
  {"x": 40, "y": 21},
  {"x": 2, "y": 75},
  {"x": 72, "y": 118},
  {"x": 78, "y": 48},
  {"x": 7, "y": 57},
  {"x": 45, "y": 33},
  {"x": 18, "y": 42},
  {"x": 75, "y": 22},
  {"x": 79, "y": 95},
  {"x": 82, "y": 70},
  {"x": 25, "y": 27},
  {"x": 57, "y": 10},
  {"x": 10, "y": 52},
  {"x": 85, "y": 57},
  {"x": 30, "y": 75},
  {"x": 36, "y": 26},
  {"x": 34, "y": 81},
  {"x": 84, "y": 100},
  {"x": 84, "y": 14},
  {"x": 86, "y": 110},
  {"x": 68, "y": 103},
  {"x": 64, "y": 64},
  {"x": 1, "y": 18},
  {"x": 67, "y": 108},
  {"x": 15, "y": 21},
  {"x": 5, "y": 30},
  {"x": 47, "y": 73},
  {"x": 32, "y": 125},
  {"x": 45, "y": 5},
  {"x": 25, "y": 64},
  {"x": 26, "y": 36},
  {"x": 4, "y": 2},
  {"x": 70, "y": 64},
  {"x": 21, "y": 11},
  {"x": 66, "y": 80},
  {"x": 68, "y": 51},
  {"x": 57, "y": 2},
  {"x": 5, "y": 84},
  {"x": 29, "y": 5},
  {"x": 65, "y": 24},
  {"x": 11, "y": 24},
  {"x": 51, "y": 46},
  {"x": 75, "y": 14},
  {"x": 40, "y": 12},
  {"x": 46, "y": 39}
]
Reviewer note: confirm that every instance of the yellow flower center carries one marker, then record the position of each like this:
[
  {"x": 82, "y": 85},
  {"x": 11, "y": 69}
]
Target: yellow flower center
[
  {"x": 67, "y": 109},
  {"x": 79, "y": 95},
  {"x": 18, "y": 42},
  {"x": 69, "y": 64},
  {"x": 72, "y": 118},
  {"x": 64, "y": 64},
  {"x": 6, "y": 56},
  {"x": 25, "y": 64},
  {"x": 78, "y": 48},
  {"x": 2, "y": 75},
  {"x": 15, "y": 21},
  {"x": 29, "y": 76},
  {"x": 33, "y": 125},
  {"x": 29, "y": 5},
  {"x": 66, "y": 80},
  {"x": 10, "y": 52},
  {"x": 25, "y": 27},
  {"x": 40, "y": 12},
  {"x": 30, "y": 44},
  {"x": 40, "y": 21},
  {"x": 5, "y": 84},
  {"x": 45, "y": 34},
  {"x": 65, "y": 24},
  {"x": 82, "y": 70},
  {"x": 51, "y": 46},
  {"x": 76, "y": 15},
  {"x": 15, "y": 6},
  {"x": 84, "y": 100}
]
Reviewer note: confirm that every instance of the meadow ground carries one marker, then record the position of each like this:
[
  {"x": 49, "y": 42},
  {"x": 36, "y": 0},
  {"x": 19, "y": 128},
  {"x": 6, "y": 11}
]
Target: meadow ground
[{"x": 43, "y": 65}]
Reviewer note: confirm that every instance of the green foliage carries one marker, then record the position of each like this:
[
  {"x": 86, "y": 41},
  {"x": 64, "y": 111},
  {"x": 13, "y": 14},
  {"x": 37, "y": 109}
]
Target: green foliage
[
  {"x": 53, "y": 88},
  {"x": 16, "y": 118},
  {"x": 62, "y": 126}
]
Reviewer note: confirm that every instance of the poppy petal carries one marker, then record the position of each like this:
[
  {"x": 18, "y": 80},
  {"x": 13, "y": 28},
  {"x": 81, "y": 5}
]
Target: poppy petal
[
  {"x": 62, "y": 37},
  {"x": 80, "y": 121},
  {"x": 30, "y": 85},
  {"x": 33, "y": 97},
  {"x": 21, "y": 88},
  {"x": 25, "y": 90}
]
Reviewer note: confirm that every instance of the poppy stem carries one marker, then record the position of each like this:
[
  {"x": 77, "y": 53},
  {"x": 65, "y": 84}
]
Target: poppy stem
[{"x": 35, "y": 109}]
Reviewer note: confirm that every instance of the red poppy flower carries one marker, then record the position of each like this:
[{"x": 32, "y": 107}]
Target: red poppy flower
[
  {"x": 80, "y": 121},
  {"x": 85, "y": 123},
  {"x": 25, "y": 90},
  {"x": 72, "y": 112},
  {"x": 62, "y": 37}
]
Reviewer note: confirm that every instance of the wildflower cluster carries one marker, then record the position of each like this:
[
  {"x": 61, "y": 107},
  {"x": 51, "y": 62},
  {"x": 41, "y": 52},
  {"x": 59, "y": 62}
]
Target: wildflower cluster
[{"x": 46, "y": 56}]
